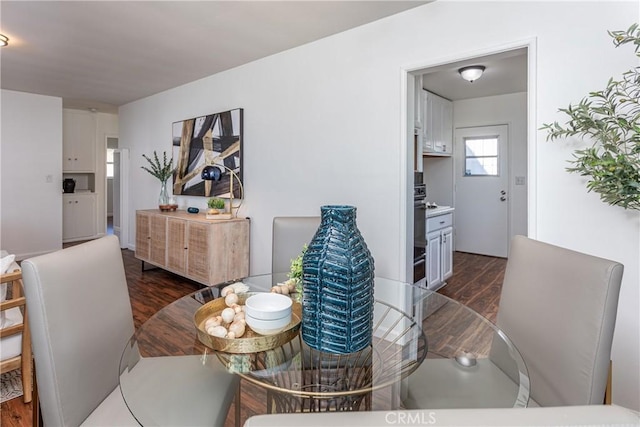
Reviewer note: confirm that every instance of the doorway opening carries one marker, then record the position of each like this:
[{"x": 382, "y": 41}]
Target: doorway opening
[
  {"x": 112, "y": 146},
  {"x": 453, "y": 165}
]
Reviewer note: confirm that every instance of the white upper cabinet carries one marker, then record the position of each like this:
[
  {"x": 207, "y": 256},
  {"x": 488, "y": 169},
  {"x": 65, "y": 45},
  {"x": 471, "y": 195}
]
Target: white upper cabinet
[
  {"x": 437, "y": 124},
  {"x": 79, "y": 141},
  {"x": 418, "y": 114}
]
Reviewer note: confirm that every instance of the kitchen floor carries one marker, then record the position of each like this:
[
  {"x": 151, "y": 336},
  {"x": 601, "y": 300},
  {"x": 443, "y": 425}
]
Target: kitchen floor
[{"x": 477, "y": 282}]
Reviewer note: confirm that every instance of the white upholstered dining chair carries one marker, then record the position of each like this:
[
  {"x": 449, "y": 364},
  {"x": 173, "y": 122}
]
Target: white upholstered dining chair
[
  {"x": 290, "y": 234},
  {"x": 558, "y": 307},
  {"x": 81, "y": 320}
]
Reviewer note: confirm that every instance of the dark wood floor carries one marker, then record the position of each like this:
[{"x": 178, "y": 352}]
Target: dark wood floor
[{"x": 477, "y": 282}]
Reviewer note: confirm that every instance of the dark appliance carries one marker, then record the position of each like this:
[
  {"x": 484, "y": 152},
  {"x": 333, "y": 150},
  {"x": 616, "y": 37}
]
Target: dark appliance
[
  {"x": 69, "y": 185},
  {"x": 419, "y": 228}
]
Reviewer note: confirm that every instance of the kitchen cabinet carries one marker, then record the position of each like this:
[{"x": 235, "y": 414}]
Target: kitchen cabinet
[
  {"x": 78, "y": 141},
  {"x": 439, "y": 253},
  {"x": 418, "y": 105},
  {"x": 78, "y": 216},
  {"x": 437, "y": 129},
  {"x": 206, "y": 251},
  {"x": 446, "y": 253}
]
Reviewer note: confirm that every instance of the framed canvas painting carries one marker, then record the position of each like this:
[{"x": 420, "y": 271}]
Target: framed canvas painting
[{"x": 212, "y": 140}]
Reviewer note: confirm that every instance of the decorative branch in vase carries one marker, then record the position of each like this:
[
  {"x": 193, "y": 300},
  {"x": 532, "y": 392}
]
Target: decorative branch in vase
[{"x": 162, "y": 171}]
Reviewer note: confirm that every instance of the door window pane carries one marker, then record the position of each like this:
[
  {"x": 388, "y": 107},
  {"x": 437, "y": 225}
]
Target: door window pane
[
  {"x": 110, "y": 162},
  {"x": 481, "y": 156}
]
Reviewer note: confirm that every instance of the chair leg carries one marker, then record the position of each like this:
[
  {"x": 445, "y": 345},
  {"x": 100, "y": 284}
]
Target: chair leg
[
  {"x": 607, "y": 390},
  {"x": 26, "y": 363},
  {"x": 237, "y": 405},
  {"x": 36, "y": 416},
  {"x": 27, "y": 379}
]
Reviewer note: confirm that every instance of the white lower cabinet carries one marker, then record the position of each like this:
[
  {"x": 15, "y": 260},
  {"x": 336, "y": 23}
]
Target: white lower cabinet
[
  {"x": 78, "y": 216},
  {"x": 439, "y": 250},
  {"x": 434, "y": 259},
  {"x": 447, "y": 253}
]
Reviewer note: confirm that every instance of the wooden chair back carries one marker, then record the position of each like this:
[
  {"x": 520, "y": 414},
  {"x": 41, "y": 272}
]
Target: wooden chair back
[{"x": 16, "y": 299}]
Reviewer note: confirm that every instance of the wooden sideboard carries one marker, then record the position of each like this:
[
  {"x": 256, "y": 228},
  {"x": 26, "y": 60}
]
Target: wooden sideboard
[{"x": 206, "y": 251}]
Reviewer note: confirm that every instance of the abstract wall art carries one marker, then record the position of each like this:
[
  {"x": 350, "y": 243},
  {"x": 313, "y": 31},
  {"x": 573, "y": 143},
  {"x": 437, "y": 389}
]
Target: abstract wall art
[{"x": 211, "y": 140}]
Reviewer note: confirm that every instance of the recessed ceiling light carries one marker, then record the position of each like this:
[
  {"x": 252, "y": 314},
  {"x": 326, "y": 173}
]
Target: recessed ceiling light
[
  {"x": 472, "y": 72},
  {"x": 4, "y": 40}
]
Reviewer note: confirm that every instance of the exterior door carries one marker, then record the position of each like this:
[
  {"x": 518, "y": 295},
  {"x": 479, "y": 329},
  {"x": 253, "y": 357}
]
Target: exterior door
[{"x": 481, "y": 197}]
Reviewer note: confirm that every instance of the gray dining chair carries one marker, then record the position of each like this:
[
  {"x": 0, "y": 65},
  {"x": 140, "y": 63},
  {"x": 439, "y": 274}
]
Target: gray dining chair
[
  {"x": 558, "y": 307},
  {"x": 81, "y": 320},
  {"x": 290, "y": 234}
]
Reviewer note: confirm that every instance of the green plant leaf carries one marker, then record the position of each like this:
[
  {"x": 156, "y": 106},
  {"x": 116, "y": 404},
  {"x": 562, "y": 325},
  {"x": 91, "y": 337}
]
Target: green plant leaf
[{"x": 162, "y": 171}]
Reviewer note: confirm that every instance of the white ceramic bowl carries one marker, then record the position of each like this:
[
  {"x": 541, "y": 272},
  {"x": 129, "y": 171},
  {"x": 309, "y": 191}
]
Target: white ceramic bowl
[
  {"x": 268, "y": 306},
  {"x": 268, "y": 327}
]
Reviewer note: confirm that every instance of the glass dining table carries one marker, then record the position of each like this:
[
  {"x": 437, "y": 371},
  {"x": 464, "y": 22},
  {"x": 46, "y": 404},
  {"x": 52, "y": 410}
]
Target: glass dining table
[{"x": 428, "y": 351}]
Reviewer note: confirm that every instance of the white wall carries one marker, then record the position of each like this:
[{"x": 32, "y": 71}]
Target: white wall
[
  {"x": 31, "y": 151},
  {"x": 508, "y": 109},
  {"x": 325, "y": 123}
]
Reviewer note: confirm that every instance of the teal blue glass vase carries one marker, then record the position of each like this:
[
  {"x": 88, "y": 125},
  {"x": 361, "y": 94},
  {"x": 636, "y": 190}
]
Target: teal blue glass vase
[{"x": 338, "y": 280}]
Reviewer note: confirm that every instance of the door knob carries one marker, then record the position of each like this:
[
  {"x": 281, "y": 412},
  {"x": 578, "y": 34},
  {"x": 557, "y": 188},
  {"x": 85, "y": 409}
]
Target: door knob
[{"x": 502, "y": 198}]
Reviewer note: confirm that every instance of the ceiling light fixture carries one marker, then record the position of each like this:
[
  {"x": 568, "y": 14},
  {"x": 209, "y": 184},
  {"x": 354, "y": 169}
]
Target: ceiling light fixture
[
  {"x": 471, "y": 73},
  {"x": 4, "y": 40}
]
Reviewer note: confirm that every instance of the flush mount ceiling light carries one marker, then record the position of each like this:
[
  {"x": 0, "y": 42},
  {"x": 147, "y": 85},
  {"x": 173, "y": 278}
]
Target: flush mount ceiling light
[
  {"x": 471, "y": 73},
  {"x": 4, "y": 40}
]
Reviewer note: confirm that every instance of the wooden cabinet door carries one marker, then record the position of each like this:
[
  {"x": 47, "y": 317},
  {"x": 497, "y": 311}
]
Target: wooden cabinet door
[
  {"x": 229, "y": 251},
  {"x": 177, "y": 245},
  {"x": 143, "y": 236},
  {"x": 158, "y": 240},
  {"x": 447, "y": 253},
  {"x": 198, "y": 244}
]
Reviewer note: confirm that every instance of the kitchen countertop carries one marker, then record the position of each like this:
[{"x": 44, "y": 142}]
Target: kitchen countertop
[{"x": 439, "y": 211}]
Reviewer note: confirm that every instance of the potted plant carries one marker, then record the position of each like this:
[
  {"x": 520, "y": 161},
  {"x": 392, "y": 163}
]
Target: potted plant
[
  {"x": 610, "y": 118},
  {"x": 216, "y": 206},
  {"x": 163, "y": 171},
  {"x": 295, "y": 273}
]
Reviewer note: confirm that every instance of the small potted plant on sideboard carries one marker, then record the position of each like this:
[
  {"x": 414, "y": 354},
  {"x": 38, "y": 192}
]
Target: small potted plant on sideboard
[{"x": 216, "y": 207}]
